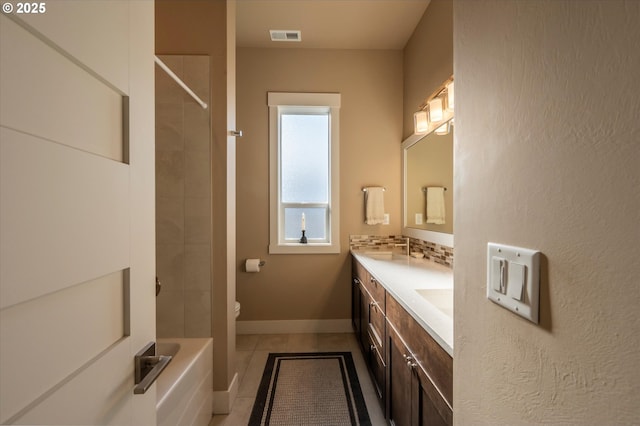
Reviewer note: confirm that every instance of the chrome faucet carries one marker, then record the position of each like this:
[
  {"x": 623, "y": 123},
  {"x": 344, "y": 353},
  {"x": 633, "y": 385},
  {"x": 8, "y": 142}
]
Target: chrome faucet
[{"x": 406, "y": 244}]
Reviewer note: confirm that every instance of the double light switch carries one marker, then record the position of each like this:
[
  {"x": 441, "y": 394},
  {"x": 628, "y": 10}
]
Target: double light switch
[{"x": 513, "y": 279}]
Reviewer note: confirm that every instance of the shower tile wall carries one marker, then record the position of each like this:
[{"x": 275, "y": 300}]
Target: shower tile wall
[{"x": 183, "y": 200}]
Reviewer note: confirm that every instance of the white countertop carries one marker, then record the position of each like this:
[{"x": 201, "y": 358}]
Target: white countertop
[{"x": 403, "y": 277}]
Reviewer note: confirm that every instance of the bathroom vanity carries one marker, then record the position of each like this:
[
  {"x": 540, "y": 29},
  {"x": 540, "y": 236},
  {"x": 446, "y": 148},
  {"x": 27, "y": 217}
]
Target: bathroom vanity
[{"x": 402, "y": 313}]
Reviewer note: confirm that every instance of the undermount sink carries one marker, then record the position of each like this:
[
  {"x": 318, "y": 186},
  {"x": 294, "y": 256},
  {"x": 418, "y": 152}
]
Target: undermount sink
[
  {"x": 441, "y": 298},
  {"x": 385, "y": 255}
]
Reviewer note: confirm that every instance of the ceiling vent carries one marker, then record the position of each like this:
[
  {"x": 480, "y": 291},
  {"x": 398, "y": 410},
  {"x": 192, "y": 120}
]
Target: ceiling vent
[{"x": 285, "y": 35}]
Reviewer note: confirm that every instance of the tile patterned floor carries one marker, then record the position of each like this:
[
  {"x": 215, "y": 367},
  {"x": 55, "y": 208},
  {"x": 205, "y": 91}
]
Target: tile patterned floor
[{"x": 252, "y": 351}]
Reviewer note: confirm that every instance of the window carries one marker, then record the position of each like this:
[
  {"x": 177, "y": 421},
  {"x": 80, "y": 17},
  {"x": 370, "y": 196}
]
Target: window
[{"x": 304, "y": 178}]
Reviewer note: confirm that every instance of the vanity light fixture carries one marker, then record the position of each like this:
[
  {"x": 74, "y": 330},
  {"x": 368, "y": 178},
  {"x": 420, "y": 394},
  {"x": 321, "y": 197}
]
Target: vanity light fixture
[
  {"x": 443, "y": 130},
  {"x": 450, "y": 96},
  {"x": 435, "y": 110},
  {"x": 420, "y": 122}
]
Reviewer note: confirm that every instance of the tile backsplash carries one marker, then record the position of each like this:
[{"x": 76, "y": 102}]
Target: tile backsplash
[
  {"x": 432, "y": 251},
  {"x": 436, "y": 252},
  {"x": 375, "y": 242}
]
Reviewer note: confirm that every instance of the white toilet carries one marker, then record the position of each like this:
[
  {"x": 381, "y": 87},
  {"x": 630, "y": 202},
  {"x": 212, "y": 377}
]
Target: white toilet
[{"x": 237, "y": 309}]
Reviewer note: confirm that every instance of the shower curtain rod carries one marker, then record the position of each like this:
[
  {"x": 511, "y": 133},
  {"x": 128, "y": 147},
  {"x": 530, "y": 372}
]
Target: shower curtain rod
[{"x": 180, "y": 82}]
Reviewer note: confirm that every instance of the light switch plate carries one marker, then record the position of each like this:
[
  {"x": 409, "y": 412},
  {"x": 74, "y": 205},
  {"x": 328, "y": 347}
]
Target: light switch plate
[
  {"x": 520, "y": 279},
  {"x": 385, "y": 220},
  {"x": 418, "y": 219}
]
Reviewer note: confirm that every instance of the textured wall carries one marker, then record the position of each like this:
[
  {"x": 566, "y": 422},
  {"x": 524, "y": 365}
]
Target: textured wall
[
  {"x": 547, "y": 156},
  {"x": 315, "y": 286}
]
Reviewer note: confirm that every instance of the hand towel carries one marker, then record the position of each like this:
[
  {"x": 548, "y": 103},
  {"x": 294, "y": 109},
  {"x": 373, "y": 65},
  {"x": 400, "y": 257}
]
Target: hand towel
[
  {"x": 435, "y": 205},
  {"x": 374, "y": 205}
]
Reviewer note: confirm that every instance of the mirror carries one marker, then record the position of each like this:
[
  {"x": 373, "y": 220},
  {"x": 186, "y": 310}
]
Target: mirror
[{"x": 428, "y": 162}]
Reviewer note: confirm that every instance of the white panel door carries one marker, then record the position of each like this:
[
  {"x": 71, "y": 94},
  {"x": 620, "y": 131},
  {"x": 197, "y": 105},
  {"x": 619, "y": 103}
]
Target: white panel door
[{"x": 77, "y": 237}]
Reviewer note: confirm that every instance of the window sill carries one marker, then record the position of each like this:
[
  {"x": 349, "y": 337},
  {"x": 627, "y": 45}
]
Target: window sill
[{"x": 297, "y": 248}]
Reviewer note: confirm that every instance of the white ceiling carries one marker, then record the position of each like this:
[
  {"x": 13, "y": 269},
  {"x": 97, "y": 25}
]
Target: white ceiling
[{"x": 329, "y": 24}]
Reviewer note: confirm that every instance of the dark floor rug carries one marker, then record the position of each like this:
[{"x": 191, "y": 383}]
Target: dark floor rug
[{"x": 309, "y": 389}]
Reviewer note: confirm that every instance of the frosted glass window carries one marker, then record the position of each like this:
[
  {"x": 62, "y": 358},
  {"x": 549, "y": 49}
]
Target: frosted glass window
[
  {"x": 304, "y": 175},
  {"x": 304, "y": 154}
]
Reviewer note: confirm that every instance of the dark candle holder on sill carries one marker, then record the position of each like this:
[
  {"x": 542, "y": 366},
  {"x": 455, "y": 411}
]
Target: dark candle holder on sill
[{"x": 303, "y": 239}]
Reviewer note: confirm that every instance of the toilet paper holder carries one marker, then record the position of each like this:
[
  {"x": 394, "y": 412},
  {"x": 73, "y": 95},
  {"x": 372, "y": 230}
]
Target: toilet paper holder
[{"x": 254, "y": 267}]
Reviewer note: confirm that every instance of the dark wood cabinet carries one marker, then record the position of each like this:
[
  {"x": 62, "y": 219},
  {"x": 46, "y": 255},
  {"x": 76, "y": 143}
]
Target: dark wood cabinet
[
  {"x": 432, "y": 409},
  {"x": 433, "y": 359},
  {"x": 413, "y": 398},
  {"x": 412, "y": 373},
  {"x": 365, "y": 299},
  {"x": 370, "y": 326},
  {"x": 356, "y": 308},
  {"x": 399, "y": 383},
  {"x": 430, "y": 369}
]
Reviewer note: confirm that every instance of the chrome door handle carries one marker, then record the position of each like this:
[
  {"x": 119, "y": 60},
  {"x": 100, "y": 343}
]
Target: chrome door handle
[
  {"x": 148, "y": 367},
  {"x": 236, "y": 133}
]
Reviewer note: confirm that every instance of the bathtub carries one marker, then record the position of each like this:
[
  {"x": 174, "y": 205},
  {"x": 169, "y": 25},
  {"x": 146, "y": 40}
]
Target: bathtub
[{"x": 185, "y": 388}]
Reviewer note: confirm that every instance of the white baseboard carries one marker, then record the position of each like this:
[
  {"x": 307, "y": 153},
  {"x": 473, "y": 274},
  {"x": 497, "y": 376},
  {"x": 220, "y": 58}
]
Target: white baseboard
[
  {"x": 223, "y": 400},
  {"x": 294, "y": 326}
]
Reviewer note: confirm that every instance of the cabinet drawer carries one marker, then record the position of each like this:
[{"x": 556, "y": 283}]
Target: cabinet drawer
[
  {"x": 371, "y": 284},
  {"x": 359, "y": 271},
  {"x": 378, "y": 293},
  {"x": 435, "y": 361},
  {"x": 377, "y": 326},
  {"x": 378, "y": 368}
]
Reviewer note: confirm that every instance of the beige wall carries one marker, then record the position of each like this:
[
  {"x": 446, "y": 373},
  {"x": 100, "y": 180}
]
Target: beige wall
[
  {"x": 200, "y": 28},
  {"x": 315, "y": 286},
  {"x": 428, "y": 58},
  {"x": 547, "y": 156}
]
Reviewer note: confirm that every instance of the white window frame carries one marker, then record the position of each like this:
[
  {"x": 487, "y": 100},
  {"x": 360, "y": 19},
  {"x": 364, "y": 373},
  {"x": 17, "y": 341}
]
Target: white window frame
[{"x": 279, "y": 102}]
